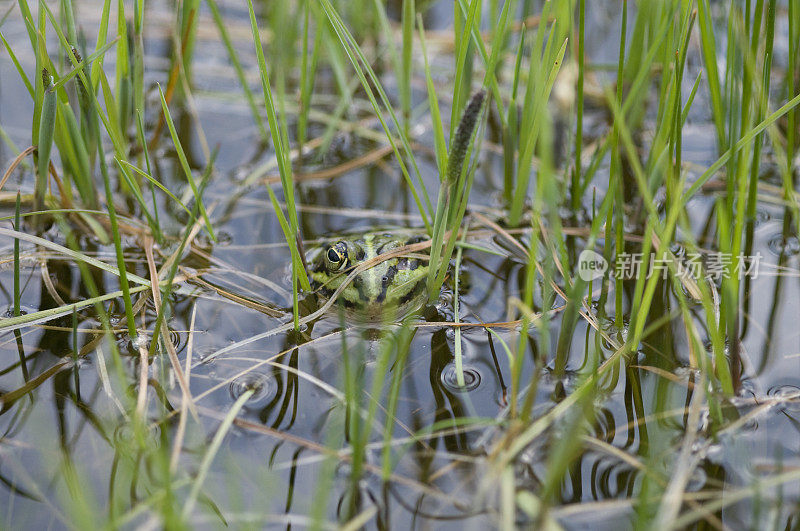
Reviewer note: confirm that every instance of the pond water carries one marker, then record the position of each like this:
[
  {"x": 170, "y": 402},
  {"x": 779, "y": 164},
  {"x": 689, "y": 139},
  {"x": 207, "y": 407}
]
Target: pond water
[{"x": 288, "y": 455}]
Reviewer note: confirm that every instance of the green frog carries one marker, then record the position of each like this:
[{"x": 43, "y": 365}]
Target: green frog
[
  {"x": 396, "y": 285},
  {"x": 392, "y": 287}
]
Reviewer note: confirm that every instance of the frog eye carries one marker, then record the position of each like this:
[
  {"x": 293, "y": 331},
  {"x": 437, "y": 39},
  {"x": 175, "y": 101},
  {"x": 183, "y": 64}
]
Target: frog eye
[
  {"x": 336, "y": 255},
  {"x": 333, "y": 255}
]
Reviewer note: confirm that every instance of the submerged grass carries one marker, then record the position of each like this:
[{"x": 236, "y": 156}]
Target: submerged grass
[{"x": 520, "y": 84}]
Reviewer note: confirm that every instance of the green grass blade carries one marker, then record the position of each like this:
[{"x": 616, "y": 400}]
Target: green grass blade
[
  {"x": 237, "y": 66},
  {"x": 47, "y": 126},
  {"x": 185, "y": 164}
]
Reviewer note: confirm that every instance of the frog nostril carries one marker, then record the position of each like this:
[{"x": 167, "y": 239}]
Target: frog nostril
[{"x": 385, "y": 279}]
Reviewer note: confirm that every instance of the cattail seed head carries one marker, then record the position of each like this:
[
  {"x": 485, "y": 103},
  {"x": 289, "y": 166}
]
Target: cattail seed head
[{"x": 458, "y": 150}]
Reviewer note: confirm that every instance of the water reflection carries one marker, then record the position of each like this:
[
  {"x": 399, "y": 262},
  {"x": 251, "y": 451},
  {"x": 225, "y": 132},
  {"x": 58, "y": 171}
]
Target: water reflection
[{"x": 64, "y": 403}]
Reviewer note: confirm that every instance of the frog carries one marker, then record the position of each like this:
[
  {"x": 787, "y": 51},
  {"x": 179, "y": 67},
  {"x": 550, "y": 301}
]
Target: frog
[
  {"x": 389, "y": 288},
  {"x": 397, "y": 283}
]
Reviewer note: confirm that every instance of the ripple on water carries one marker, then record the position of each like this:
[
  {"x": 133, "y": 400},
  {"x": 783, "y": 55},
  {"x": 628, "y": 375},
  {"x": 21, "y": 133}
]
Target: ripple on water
[
  {"x": 762, "y": 216},
  {"x": 23, "y": 310},
  {"x": 263, "y": 386},
  {"x": 449, "y": 377},
  {"x": 787, "y": 246},
  {"x": 178, "y": 340},
  {"x": 132, "y": 346},
  {"x": 791, "y": 394}
]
